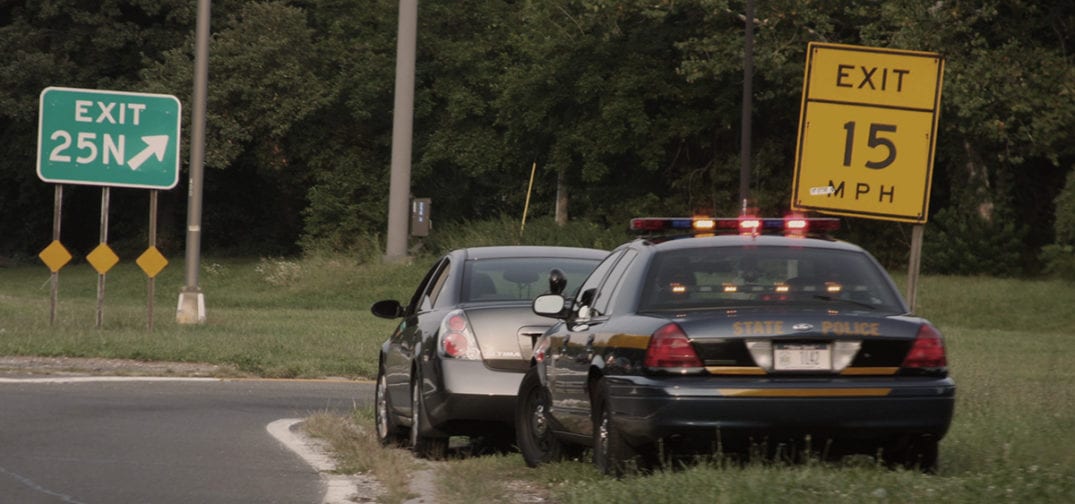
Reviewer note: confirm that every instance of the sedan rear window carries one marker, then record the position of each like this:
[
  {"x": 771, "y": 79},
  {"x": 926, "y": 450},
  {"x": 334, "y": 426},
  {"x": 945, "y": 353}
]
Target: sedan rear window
[
  {"x": 519, "y": 278},
  {"x": 730, "y": 277}
]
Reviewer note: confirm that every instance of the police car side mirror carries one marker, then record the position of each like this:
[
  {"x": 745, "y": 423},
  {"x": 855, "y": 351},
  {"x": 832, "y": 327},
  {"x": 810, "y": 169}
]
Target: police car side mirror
[{"x": 550, "y": 305}]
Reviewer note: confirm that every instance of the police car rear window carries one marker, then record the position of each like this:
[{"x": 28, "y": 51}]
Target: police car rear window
[{"x": 728, "y": 277}]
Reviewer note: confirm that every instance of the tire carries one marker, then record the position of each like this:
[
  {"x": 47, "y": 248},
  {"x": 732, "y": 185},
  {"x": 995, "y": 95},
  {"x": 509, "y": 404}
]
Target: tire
[
  {"x": 533, "y": 433},
  {"x": 612, "y": 454},
  {"x": 433, "y": 448},
  {"x": 389, "y": 432},
  {"x": 918, "y": 453}
]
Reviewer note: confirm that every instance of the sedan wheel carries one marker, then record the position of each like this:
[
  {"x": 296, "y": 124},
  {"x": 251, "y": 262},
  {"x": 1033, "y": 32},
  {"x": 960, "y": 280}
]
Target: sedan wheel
[
  {"x": 434, "y": 448},
  {"x": 532, "y": 430},
  {"x": 389, "y": 432}
]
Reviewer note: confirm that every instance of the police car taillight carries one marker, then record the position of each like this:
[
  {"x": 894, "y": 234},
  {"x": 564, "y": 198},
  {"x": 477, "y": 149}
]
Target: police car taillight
[
  {"x": 927, "y": 351},
  {"x": 669, "y": 349}
]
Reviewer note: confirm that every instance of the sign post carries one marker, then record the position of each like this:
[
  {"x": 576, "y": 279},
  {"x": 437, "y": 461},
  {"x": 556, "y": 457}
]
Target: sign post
[{"x": 867, "y": 132}]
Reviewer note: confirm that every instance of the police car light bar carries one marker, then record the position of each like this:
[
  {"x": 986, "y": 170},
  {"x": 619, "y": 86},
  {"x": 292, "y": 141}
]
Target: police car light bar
[{"x": 792, "y": 225}]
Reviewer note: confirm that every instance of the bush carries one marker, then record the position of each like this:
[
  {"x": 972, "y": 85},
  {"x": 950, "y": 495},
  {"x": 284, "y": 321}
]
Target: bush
[
  {"x": 509, "y": 231},
  {"x": 1059, "y": 261},
  {"x": 962, "y": 242},
  {"x": 1059, "y": 258}
]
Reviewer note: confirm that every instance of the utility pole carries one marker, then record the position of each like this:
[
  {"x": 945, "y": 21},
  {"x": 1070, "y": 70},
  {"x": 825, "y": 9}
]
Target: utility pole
[
  {"x": 748, "y": 91},
  {"x": 402, "y": 133},
  {"x": 191, "y": 309}
]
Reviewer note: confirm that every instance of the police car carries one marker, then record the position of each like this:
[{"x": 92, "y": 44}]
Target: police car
[{"x": 734, "y": 336}]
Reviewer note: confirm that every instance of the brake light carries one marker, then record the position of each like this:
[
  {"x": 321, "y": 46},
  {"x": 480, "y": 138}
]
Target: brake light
[
  {"x": 670, "y": 348},
  {"x": 456, "y": 338},
  {"x": 927, "y": 351},
  {"x": 455, "y": 345}
]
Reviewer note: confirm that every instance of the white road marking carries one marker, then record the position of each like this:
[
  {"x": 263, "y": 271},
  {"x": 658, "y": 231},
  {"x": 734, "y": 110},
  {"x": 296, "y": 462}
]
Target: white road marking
[
  {"x": 91, "y": 379},
  {"x": 38, "y": 488},
  {"x": 338, "y": 488}
]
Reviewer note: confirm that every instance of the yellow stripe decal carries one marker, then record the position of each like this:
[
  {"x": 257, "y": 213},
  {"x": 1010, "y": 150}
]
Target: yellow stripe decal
[
  {"x": 735, "y": 370},
  {"x": 635, "y": 341},
  {"x": 803, "y": 392},
  {"x": 888, "y": 371}
]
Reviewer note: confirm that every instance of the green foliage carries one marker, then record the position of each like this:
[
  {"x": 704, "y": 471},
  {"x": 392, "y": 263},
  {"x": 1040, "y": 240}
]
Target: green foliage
[
  {"x": 963, "y": 242},
  {"x": 510, "y": 231},
  {"x": 1059, "y": 257},
  {"x": 633, "y": 104},
  {"x": 1065, "y": 213},
  {"x": 1060, "y": 261}
]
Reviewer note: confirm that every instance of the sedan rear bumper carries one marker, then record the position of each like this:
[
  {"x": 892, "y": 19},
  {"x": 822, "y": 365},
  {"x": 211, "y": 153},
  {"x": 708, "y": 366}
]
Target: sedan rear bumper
[
  {"x": 468, "y": 394},
  {"x": 647, "y": 409}
]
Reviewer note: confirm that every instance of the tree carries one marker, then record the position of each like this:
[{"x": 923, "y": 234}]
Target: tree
[
  {"x": 98, "y": 45},
  {"x": 264, "y": 72},
  {"x": 597, "y": 101}
]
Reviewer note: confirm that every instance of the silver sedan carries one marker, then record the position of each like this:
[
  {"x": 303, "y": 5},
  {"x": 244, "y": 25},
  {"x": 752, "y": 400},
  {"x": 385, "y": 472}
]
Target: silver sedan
[{"x": 454, "y": 363}]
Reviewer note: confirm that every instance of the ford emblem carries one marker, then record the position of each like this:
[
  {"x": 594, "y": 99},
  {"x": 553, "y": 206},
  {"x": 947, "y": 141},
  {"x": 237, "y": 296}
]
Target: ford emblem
[{"x": 802, "y": 327}]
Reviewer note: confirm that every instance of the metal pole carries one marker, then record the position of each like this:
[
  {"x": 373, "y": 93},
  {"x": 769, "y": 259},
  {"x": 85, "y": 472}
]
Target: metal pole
[
  {"x": 57, "y": 211},
  {"x": 402, "y": 132},
  {"x": 105, "y": 192},
  {"x": 914, "y": 265},
  {"x": 748, "y": 92},
  {"x": 151, "y": 285},
  {"x": 191, "y": 309},
  {"x": 529, "y": 189}
]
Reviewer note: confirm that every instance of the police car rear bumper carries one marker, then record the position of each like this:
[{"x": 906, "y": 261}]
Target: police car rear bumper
[{"x": 646, "y": 410}]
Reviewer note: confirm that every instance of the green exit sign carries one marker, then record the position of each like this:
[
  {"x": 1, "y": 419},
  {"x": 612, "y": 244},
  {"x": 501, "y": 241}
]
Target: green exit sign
[{"x": 108, "y": 138}]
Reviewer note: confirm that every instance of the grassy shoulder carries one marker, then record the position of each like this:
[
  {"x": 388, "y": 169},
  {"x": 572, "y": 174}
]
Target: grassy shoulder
[{"x": 265, "y": 317}]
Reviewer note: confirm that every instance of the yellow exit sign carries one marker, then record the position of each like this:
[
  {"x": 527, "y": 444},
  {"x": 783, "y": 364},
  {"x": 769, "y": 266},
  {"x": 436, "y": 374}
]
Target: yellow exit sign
[{"x": 867, "y": 132}]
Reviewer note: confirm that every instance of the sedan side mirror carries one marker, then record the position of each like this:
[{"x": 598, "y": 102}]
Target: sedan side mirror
[
  {"x": 550, "y": 305},
  {"x": 389, "y": 309}
]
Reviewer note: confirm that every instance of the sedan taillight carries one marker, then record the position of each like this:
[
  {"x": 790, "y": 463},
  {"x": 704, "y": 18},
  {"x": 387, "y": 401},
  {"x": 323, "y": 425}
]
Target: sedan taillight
[
  {"x": 456, "y": 338},
  {"x": 670, "y": 348}
]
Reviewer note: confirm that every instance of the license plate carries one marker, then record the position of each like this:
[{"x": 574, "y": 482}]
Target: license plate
[{"x": 802, "y": 357}]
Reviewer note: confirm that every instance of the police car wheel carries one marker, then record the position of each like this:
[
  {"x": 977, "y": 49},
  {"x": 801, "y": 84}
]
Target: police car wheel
[{"x": 533, "y": 433}]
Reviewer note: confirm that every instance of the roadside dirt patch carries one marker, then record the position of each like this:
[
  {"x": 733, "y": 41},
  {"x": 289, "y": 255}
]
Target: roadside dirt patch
[{"x": 15, "y": 366}]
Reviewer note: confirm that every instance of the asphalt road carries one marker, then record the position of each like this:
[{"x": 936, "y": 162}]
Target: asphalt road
[{"x": 162, "y": 442}]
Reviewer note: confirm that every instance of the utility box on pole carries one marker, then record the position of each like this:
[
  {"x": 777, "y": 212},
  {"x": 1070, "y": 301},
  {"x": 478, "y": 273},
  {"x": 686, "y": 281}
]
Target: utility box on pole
[{"x": 420, "y": 223}]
